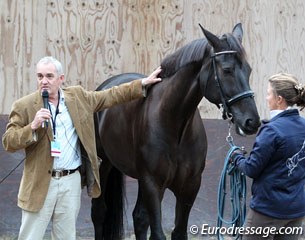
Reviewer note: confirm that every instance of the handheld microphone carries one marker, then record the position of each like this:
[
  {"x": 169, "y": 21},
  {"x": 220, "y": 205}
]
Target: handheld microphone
[{"x": 45, "y": 98}]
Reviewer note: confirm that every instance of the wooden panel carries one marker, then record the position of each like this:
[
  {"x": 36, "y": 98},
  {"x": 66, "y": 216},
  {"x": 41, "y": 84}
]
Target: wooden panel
[
  {"x": 151, "y": 27},
  {"x": 275, "y": 43},
  {"x": 95, "y": 39},
  {"x": 22, "y": 40}
]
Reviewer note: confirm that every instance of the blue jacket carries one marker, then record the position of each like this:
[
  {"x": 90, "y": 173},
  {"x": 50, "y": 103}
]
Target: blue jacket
[{"x": 277, "y": 166}]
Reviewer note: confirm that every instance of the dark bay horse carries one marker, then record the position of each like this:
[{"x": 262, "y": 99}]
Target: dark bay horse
[{"x": 160, "y": 140}]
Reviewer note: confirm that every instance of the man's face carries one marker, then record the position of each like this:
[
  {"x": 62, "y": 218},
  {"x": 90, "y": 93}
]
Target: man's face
[{"x": 48, "y": 78}]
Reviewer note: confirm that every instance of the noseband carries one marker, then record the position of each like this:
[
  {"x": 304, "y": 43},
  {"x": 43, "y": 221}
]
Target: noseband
[{"x": 227, "y": 103}]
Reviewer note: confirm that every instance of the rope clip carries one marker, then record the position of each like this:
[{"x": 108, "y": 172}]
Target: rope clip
[{"x": 229, "y": 138}]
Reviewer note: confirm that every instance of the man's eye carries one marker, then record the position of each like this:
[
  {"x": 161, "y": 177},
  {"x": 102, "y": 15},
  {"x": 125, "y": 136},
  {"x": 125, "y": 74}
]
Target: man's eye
[{"x": 50, "y": 76}]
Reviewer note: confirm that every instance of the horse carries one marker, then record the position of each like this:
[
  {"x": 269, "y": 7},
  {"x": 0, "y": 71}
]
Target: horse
[{"x": 160, "y": 140}]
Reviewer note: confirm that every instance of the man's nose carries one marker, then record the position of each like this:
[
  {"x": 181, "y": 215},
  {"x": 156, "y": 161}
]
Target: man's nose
[{"x": 44, "y": 80}]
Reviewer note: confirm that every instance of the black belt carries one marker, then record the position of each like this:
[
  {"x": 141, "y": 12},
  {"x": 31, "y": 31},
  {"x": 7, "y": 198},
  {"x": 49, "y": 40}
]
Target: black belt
[{"x": 61, "y": 173}]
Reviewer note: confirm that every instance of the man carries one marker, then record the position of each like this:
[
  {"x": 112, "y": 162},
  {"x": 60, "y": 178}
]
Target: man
[{"x": 60, "y": 149}]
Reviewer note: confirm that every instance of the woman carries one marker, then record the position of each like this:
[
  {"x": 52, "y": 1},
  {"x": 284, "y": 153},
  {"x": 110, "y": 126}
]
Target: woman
[{"x": 276, "y": 165}]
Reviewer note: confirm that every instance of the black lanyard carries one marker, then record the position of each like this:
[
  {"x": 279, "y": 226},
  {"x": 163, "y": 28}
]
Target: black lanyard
[{"x": 54, "y": 119}]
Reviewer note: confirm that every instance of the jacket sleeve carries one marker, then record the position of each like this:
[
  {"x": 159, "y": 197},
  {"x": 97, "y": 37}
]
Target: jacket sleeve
[
  {"x": 19, "y": 134},
  {"x": 126, "y": 92},
  {"x": 262, "y": 151}
]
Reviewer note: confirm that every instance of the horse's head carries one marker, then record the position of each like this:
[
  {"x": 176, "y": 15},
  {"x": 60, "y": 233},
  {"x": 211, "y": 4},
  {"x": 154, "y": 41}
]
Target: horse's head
[{"x": 227, "y": 83}]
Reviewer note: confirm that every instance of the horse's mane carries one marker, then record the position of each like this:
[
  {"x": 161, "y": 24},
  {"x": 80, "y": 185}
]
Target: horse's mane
[
  {"x": 194, "y": 52},
  {"x": 191, "y": 52}
]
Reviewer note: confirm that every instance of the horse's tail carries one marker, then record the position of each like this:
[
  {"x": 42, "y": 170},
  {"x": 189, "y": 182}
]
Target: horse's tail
[{"x": 113, "y": 228}]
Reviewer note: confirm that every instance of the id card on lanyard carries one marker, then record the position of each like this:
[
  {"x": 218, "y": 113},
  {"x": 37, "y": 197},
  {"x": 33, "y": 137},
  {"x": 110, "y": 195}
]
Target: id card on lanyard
[{"x": 55, "y": 148}]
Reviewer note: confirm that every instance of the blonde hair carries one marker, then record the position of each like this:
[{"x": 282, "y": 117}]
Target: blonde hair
[{"x": 287, "y": 86}]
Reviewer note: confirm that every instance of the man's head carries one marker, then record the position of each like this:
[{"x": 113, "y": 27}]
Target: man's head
[{"x": 50, "y": 76}]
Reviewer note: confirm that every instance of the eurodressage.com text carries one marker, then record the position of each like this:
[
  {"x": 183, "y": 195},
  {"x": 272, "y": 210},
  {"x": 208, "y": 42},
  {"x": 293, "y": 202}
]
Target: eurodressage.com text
[{"x": 263, "y": 231}]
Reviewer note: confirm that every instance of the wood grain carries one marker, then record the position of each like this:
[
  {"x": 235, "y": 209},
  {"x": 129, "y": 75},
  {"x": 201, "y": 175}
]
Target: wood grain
[{"x": 96, "y": 39}]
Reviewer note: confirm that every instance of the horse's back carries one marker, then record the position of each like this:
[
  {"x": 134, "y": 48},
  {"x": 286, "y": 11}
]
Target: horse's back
[{"x": 119, "y": 79}]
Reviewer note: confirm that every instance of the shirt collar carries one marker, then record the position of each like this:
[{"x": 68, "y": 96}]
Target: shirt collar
[
  {"x": 62, "y": 95},
  {"x": 276, "y": 112}
]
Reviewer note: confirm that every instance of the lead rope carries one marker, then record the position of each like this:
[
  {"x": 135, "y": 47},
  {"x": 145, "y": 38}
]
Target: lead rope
[{"x": 237, "y": 193}]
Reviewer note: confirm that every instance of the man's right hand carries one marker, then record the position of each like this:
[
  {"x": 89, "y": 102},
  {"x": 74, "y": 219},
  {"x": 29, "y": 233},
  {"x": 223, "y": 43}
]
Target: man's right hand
[{"x": 41, "y": 117}]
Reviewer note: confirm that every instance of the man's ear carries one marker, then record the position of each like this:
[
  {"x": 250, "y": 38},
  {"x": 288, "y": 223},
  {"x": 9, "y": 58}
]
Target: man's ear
[{"x": 62, "y": 78}]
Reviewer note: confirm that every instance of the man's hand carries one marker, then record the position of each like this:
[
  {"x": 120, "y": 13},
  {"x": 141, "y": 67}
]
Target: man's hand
[
  {"x": 152, "y": 78},
  {"x": 41, "y": 116}
]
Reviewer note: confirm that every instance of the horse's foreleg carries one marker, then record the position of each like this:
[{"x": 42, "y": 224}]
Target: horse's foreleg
[
  {"x": 185, "y": 200},
  {"x": 140, "y": 218},
  {"x": 152, "y": 196}
]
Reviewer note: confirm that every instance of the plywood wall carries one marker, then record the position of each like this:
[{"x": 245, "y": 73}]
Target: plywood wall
[{"x": 96, "y": 39}]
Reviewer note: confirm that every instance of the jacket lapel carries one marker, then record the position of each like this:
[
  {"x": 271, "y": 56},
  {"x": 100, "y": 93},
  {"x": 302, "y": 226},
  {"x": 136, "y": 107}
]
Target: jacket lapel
[{"x": 74, "y": 112}]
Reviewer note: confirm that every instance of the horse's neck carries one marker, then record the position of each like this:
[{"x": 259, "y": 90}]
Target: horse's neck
[{"x": 182, "y": 93}]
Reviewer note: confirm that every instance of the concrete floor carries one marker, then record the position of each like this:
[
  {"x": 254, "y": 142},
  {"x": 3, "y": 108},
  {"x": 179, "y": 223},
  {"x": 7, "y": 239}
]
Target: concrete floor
[{"x": 204, "y": 210}]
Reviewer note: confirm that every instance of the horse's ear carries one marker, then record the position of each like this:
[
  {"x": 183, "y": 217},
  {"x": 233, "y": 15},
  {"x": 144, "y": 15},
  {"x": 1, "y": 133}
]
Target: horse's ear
[
  {"x": 213, "y": 40},
  {"x": 238, "y": 32}
]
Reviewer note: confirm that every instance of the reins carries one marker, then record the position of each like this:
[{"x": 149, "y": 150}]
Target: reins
[{"x": 237, "y": 193}]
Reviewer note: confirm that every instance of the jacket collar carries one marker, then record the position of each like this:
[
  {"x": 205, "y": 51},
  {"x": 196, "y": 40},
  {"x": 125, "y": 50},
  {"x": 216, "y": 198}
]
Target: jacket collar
[
  {"x": 71, "y": 103},
  {"x": 285, "y": 113}
]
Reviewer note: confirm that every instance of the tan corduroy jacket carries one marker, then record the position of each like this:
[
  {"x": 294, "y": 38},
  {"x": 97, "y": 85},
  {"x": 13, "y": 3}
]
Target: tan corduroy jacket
[{"x": 38, "y": 164}]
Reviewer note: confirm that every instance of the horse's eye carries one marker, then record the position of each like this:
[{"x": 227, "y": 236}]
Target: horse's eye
[{"x": 228, "y": 70}]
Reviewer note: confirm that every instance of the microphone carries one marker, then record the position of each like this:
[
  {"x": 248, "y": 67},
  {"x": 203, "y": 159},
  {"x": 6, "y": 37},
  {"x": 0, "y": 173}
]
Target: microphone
[{"x": 45, "y": 98}]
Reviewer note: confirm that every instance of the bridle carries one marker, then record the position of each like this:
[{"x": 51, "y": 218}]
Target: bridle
[{"x": 227, "y": 103}]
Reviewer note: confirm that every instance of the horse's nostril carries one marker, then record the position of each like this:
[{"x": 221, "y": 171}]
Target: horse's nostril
[
  {"x": 252, "y": 124},
  {"x": 249, "y": 122}
]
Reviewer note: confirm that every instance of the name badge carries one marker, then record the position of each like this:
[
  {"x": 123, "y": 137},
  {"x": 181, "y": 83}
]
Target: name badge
[{"x": 55, "y": 149}]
